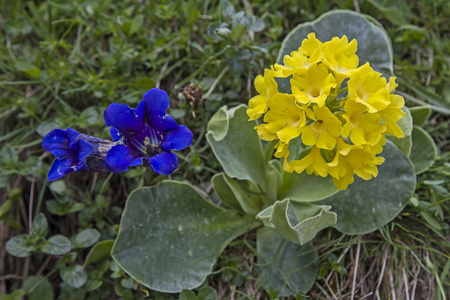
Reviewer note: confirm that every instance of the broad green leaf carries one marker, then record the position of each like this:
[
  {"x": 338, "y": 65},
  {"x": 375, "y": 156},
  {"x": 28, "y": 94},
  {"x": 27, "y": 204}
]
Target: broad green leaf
[
  {"x": 100, "y": 250},
  {"x": 406, "y": 125},
  {"x": 58, "y": 187},
  {"x": 74, "y": 276},
  {"x": 241, "y": 195},
  {"x": 86, "y": 238},
  {"x": 224, "y": 192},
  {"x": 286, "y": 269},
  {"x": 297, "y": 222},
  {"x": 246, "y": 193},
  {"x": 374, "y": 45},
  {"x": 92, "y": 284},
  {"x": 39, "y": 226},
  {"x": 236, "y": 145},
  {"x": 423, "y": 152},
  {"x": 207, "y": 293},
  {"x": 187, "y": 295},
  {"x": 420, "y": 114},
  {"x": 47, "y": 126},
  {"x": 237, "y": 32},
  {"x": 38, "y": 288},
  {"x": 368, "y": 205},
  {"x": 227, "y": 8},
  {"x": 57, "y": 245},
  {"x": 20, "y": 246},
  {"x": 274, "y": 179},
  {"x": 170, "y": 236},
  {"x": 306, "y": 188}
]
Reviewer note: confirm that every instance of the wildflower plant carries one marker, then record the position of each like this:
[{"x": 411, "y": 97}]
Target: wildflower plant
[{"x": 142, "y": 136}]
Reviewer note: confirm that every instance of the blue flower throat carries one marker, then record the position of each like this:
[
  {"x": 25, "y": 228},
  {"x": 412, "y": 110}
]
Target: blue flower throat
[{"x": 145, "y": 142}]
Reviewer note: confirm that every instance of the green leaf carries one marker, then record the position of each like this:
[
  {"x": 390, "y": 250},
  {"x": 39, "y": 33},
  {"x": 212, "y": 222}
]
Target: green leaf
[
  {"x": 236, "y": 145},
  {"x": 20, "y": 246},
  {"x": 39, "y": 226},
  {"x": 424, "y": 151},
  {"x": 306, "y": 188},
  {"x": 28, "y": 68},
  {"x": 47, "y": 126},
  {"x": 368, "y": 205},
  {"x": 5, "y": 208},
  {"x": 170, "y": 236},
  {"x": 38, "y": 288},
  {"x": 58, "y": 187},
  {"x": 16, "y": 295},
  {"x": 246, "y": 193},
  {"x": 91, "y": 116},
  {"x": 374, "y": 45},
  {"x": 100, "y": 250},
  {"x": 136, "y": 24},
  {"x": 227, "y": 9},
  {"x": 86, "y": 238},
  {"x": 420, "y": 114},
  {"x": 224, "y": 192},
  {"x": 57, "y": 245},
  {"x": 286, "y": 269},
  {"x": 237, "y": 32},
  {"x": 93, "y": 284},
  {"x": 74, "y": 276},
  {"x": 207, "y": 293},
  {"x": 187, "y": 295},
  {"x": 406, "y": 125},
  {"x": 297, "y": 222}
]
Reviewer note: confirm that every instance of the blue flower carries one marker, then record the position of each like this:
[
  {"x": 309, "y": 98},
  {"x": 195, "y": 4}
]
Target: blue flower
[
  {"x": 145, "y": 135},
  {"x": 75, "y": 152},
  {"x": 70, "y": 150}
]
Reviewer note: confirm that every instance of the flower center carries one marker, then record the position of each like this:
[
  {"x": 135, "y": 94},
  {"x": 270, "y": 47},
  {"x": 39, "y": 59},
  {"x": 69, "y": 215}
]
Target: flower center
[
  {"x": 145, "y": 142},
  {"x": 315, "y": 92}
]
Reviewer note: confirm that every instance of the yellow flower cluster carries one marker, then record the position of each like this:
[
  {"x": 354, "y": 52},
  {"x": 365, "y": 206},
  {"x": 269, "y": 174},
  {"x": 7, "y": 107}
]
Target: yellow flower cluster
[{"x": 344, "y": 126}]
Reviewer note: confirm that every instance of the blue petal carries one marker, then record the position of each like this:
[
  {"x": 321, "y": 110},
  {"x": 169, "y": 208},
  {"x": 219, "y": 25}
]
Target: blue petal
[
  {"x": 84, "y": 149},
  {"x": 60, "y": 168},
  {"x": 57, "y": 139},
  {"x": 80, "y": 166},
  {"x": 156, "y": 102},
  {"x": 177, "y": 139},
  {"x": 137, "y": 162},
  {"x": 72, "y": 134},
  {"x": 164, "y": 162},
  {"x": 119, "y": 158},
  {"x": 115, "y": 134},
  {"x": 123, "y": 118}
]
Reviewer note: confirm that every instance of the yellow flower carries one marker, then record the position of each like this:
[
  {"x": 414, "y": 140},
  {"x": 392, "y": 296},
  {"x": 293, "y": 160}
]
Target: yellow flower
[
  {"x": 393, "y": 112},
  {"x": 323, "y": 131},
  {"x": 266, "y": 86},
  {"x": 313, "y": 162},
  {"x": 350, "y": 159},
  {"x": 361, "y": 126},
  {"x": 313, "y": 86},
  {"x": 340, "y": 56},
  {"x": 265, "y": 134},
  {"x": 299, "y": 61},
  {"x": 367, "y": 87},
  {"x": 284, "y": 117},
  {"x": 345, "y": 133}
]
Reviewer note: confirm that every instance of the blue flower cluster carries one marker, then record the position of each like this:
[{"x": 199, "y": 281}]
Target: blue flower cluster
[{"x": 145, "y": 135}]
